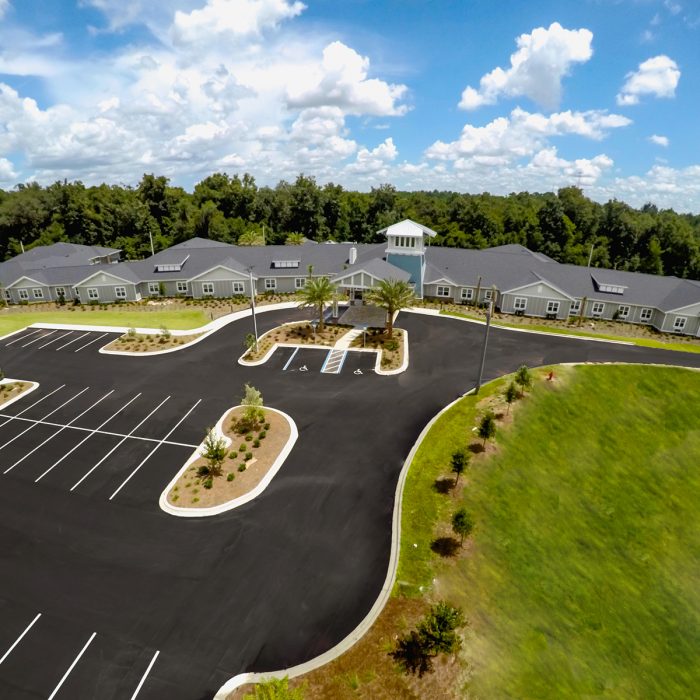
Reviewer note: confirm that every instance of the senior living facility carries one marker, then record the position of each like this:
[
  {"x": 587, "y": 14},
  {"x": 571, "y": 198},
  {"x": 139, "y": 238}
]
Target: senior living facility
[{"x": 516, "y": 280}]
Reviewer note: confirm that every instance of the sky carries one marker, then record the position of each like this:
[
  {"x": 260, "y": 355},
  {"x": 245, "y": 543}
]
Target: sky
[{"x": 463, "y": 95}]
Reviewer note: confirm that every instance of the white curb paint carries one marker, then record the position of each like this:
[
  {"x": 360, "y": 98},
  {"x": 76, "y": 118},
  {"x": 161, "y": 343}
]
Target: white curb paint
[
  {"x": 236, "y": 502},
  {"x": 384, "y": 594},
  {"x": 32, "y": 387}
]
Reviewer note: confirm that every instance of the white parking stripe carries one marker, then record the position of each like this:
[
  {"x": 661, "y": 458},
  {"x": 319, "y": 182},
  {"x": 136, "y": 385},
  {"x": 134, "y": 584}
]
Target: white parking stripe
[
  {"x": 148, "y": 456},
  {"x": 85, "y": 476},
  {"x": 75, "y": 340},
  {"x": 109, "y": 433},
  {"x": 36, "y": 340},
  {"x": 58, "y": 432},
  {"x": 85, "y": 439},
  {"x": 71, "y": 667},
  {"x": 2, "y": 447},
  {"x": 143, "y": 678},
  {"x": 55, "y": 339},
  {"x": 90, "y": 343},
  {"x": 19, "y": 639},
  {"x": 24, "y": 337},
  {"x": 11, "y": 418}
]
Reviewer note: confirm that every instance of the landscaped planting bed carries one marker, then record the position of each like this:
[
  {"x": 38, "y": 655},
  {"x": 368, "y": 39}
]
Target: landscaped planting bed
[
  {"x": 392, "y": 349},
  {"x": 297, "y": 334},
  {"x": 138, "y": 343},
  {"x": 11, "y": 390},
  {"x": 249, "y": 456}
]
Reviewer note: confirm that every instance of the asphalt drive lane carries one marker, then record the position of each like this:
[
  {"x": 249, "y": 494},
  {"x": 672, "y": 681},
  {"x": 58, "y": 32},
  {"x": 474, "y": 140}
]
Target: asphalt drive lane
[{"x": 272, "y": 583}]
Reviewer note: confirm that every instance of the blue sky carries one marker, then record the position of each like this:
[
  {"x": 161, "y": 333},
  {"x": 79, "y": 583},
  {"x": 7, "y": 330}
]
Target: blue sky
[{"x": 467, "y": 95}]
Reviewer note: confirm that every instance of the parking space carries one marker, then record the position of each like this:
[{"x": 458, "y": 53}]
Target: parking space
[
  {"x": 313, "y": 360},
  {"x": 360, "y": 363},
  {"x": 52, "y": 340},
  {"x": 52, "y": 658},
  {"x": 307, "y": 360},
  {"x": 99, "y": 443}
]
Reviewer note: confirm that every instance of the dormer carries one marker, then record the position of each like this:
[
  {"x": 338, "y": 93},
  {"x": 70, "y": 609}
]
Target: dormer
[
  {"x": 407, "y": 238},
  {"x": 608, "y": 286}
]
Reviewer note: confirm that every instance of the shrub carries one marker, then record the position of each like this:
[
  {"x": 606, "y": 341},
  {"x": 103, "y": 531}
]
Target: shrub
[
  {"x": 208, "y": 482},
  {"x": 243, "y": 447},
  {"x": 256, "y": 443},
  {"x": 267, "y": 426},
  {"x": 230, "y": 476},
  {"x": 248, "y": 456},
  {"x": 248, "y": 437},
  {"x": 131, "y": 333},
  {"x": 262, "y": 435},
  {"x": 232, "y": 454},
  {"x": 214, "y": 452},
  {"x": 242, "y": 467}
]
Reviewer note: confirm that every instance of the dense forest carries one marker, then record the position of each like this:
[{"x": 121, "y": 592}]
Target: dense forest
[{"x": 566, "y": 225}]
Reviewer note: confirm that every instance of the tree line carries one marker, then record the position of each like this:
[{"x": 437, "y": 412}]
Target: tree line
[{"x": 566, "y": 225}]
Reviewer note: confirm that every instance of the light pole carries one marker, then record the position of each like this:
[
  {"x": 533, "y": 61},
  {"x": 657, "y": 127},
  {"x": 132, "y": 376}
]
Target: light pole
[
  {"x": 252, "y": 306},
  {"x": 484, "y": 346}
]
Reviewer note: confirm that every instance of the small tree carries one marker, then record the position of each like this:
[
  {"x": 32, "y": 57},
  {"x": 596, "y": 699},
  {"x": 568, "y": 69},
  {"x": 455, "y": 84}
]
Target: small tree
[
  {"x": 294, "y": 239},
  {"x": 165, "y": 333},
  {"x": 462, "y": 524},
  {"x": 249, "y": 341},
  {"x": 459, "y": 463},
  {"x": 439, "y": 628},
  {"x": 275, "y": 689},
  {"x": 161, "y": 289},
  {"x": 253, "y": 402},
  {"x": 214, "y": 452},
  {"x": 487, "y": 427},
  {"x": 511, "y": 394},
  {"x": 412, "y": 654},
  {"x": 317, "y": 292},
  {"x": 391, "y": 295},
  {"x": 61, "y": 301},
  {"x": 523, "y": 377}
]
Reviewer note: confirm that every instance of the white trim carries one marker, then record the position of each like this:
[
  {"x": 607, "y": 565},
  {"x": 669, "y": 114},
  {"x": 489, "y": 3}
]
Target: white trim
[
  {"x": 444, "y": 287},
  {"x": 679, "y": 323},
  {"x": 553, "y": 306},
  {"x": 103, "y": 272},
  {"x": 23, "y": 293},
  {"x": 38, "y": 293},
  {"x": 623, "y": 311},
  {"x": 90, "y": 291},
  {"x": 270, "y": 284},
  {"x": 209, "y": 285},
  {"x": 595, "y": 304},
  {"x": 24, "y": 277},
  {"x": 644, "y": 317},
  {"x": 236, "y": 502},
  {"x": 117, "y": 295},
  {"x": 242, "y": 275},
  {"x": 469, "y": 296},
  {"x": 179, "y": 289},
  {"x": 241, "y": 286},
  {"x": 520, "y": 303},
  {"x": 443, "y": 280},
  {"x": 154, "y": 288}
]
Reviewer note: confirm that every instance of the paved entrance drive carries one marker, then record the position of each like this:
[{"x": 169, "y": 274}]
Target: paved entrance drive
[{"x": 368, "y": 316}]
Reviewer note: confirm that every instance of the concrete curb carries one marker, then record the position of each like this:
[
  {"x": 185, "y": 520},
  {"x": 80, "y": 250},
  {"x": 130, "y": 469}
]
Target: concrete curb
[
  {"x": 384, "y": 594},
  {"x": 435, "y": 312},
  {"x": 236, "y": 502},
  {"x": 9, "y": 402}
]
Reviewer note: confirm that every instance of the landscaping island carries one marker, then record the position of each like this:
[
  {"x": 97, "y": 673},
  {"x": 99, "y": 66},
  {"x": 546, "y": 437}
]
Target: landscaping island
[
  {"x": 10, "y": 390},
  {"x": 236, "y": 456},
  {"x": 137, "y": 343},
  {"x": 579, "y": 576},
  {"x": 391, "y": 350}
]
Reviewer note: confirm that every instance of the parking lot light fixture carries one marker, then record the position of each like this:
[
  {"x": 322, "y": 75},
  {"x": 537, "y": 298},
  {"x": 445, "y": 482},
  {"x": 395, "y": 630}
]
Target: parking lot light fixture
[
  {"x": 252, "y": 307},
  {"x": 489, "y": 310}
]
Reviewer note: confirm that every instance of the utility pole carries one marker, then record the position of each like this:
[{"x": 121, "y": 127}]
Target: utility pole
[
  {"x": 21, "y": 245},
  {"x": 484, "y": 346},
  {"x": 252, "y": 306},
  {"x": 150, "y": 238},
  {"x": 590, "y": 257}
]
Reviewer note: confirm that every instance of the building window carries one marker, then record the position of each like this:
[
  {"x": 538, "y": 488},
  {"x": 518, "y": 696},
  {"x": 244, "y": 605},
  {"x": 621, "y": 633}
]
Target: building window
[
  {"x": 597, "y": 308},
  {"x": 623, "y": 311},
  {"x": 93, "y": 294},
  {"x": 299, "y": 282},
  {"x": 76, "y": 292},
  {"x": 467, "y": 294},
  {"x": 443, "y": 291},
  {"x": 488, "y": 295},
  {"x": 208, "y": 289},
  {"x": 679, "y": 323},
  {"x": 553, "y": 307},
  {"x": 238, "y": 287},
  {"x": 38, "y": 293},
  {"x": 645, "y": 314},
  {"x": 520, "y": 304},
  {"x": 120, "y": 292},
  {"x": 60, "y": 292},
  {"x": 270, "y": 283},
  {"x": 181, "y": 287},
  {"x": 153, "y": 288},
  {"x": 279, "y": 264},
  {"x": 611, "y": 288},
  {"x": 575, "y": 307},
  {"x": 8, "y": 295},
  {"x": 23, "y": 294}
]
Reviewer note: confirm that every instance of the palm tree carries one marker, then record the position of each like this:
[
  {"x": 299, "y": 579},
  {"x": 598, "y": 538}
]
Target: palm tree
[
  {"x": 251, "y": 237},
  {"x": 393, "y": 295},
  {"x": 295, "y": 239},
  {"x": 317, "y": 292}
]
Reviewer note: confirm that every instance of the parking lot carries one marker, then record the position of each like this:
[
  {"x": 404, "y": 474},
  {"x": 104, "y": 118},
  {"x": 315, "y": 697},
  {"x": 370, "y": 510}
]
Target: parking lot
[{"x": 103, "y": 595}]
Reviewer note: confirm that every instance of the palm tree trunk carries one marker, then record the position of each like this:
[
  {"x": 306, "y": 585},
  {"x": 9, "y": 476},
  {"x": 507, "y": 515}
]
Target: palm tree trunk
[
  {"x": 389, "y": 324},
  {"x": 320, "y": 317}
]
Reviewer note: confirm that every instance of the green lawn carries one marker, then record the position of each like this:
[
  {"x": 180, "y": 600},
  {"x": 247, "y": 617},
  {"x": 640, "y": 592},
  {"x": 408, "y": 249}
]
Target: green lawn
[
  {"x": 644, "y": 342},
  {"x": 582, "y": 576},
  {"x": 174, "y": 320}
]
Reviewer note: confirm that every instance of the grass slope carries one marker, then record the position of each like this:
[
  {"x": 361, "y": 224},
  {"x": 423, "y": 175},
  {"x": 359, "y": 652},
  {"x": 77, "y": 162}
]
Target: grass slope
[
  {"x": 582, "y": 576},
  {"x": 174, "y": 320},
  {"x": 679, "y": 346}
]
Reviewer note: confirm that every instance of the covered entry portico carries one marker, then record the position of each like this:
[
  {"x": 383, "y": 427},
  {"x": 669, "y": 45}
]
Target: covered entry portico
[{"x": 356, "y": 280}]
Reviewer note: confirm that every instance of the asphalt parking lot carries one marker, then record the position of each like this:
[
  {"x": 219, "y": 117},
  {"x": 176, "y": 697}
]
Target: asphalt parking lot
[{"x": 102, "y": 595}]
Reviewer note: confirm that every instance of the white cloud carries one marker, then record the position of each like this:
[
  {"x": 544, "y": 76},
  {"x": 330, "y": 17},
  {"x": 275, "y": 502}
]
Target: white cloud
[
  {"x": 673, "y": 7},
  {"x": 507, "y": 139},
  {"x": 659, "y": 140},
  {"x": 8, "y": 176},
  {"x": 4, "y": 7},
  {"x": 231, "y": 20},
  {"x": 341, "y": 80},
  {"x": 374, "y": 163},
  {"x": 657, "y": 76},
  {"x": 537, "y": 68}
]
